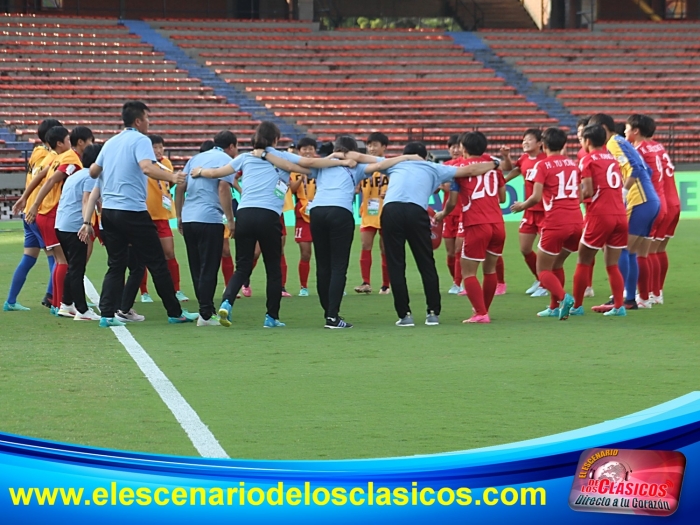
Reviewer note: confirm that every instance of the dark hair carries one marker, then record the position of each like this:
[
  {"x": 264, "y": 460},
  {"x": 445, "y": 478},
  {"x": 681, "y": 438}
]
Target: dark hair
[
  {"x": 266, "y": 135},
  {"x": 46, "y": 125},
  {"x": 156, "y": 139},
  {"x": 325, "y": 149},
  {"x": 80, "y": 133},
  {"x": 620, "y": 129},
  {"x": 55, "y": 135},
  {"x": 596, "y": 134},
  {"x": 133, "y": 110},
  {"x": 474, "y": 142},
  {"x": 535, "y": 132},
  {"x": 206, "y": 146},
  {"x": 224, "y": 139},
  {"x": 90, "y": 154},
  {"x": 582, "y": 122},
  {"x": 454, "y": 139},
  {"x": 644, "y": 124},
  {"x": 415, "y": 148},
  {"x": 554, "y": 139},
  {"x": 345, "y": 143},
  {"x": 377, "y": 136},
  {"x": 307, "y": 141},
  {"x": 603, "y": 120}
]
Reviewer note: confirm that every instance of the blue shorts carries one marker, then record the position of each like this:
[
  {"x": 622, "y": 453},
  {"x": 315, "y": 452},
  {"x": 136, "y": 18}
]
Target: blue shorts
[
  {"x": 642, "y": 218},
  {"x": 32, "y": 237}
]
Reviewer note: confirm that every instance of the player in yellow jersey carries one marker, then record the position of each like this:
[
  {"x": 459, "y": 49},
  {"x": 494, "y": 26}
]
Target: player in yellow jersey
[
  {"x": 373, "y": 190},
  {"x": 69, "y": 149},
  {"x": 304, "y": 189},
  {"x": 33, "y": 242}
]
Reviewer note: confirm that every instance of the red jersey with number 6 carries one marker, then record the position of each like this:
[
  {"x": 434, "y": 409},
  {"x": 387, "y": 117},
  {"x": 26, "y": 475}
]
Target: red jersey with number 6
[
  {"x": 604, "y": 171},
  {"x": 560, "y": 179},
  {"x": 480, "y": 196},
  {"x": 526, "y": 163}
]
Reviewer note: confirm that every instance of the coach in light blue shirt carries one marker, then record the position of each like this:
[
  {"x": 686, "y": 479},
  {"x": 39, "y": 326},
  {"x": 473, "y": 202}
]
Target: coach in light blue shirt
[{"x": 123, "y": 165}]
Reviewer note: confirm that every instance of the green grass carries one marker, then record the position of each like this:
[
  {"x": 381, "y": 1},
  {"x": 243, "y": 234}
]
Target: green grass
[{"x": 376, "y": 390}]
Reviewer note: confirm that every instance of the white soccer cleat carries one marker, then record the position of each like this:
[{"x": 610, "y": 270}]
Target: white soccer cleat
[
  {"x": 540, "y": 292},
  {"x": 589, "y": 292},
  {"x": 89, "y": 315},
  {"x": 642, "y": 304},
  {"x": 67, "y": 310},
  {"x": 533, "y": 288},
  {"x": 659, "y": 299},
  {"x": 212, "y": 321}
]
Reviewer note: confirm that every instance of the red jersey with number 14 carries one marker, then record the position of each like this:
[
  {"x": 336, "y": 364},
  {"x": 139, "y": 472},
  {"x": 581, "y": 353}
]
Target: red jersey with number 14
[
  {"x": 526, "y": 163},
  {"x": 560, "y": 179},
  {"x": 604, "y": 171},
  {"x": 479, "y": 195}
]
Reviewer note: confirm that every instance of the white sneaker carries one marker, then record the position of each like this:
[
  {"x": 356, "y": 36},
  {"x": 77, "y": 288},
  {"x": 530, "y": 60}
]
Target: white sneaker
[
  {"x": 90, "y": 315},
  {"x": 212, "y": 321},
  {"x": 659, "y": 299},
  {"x": 641, "y": 303},
  {"x": 67, "y": 310},
  {"x": 533, "y": 288},
  {"x": 589, "y": 292},
  {"x": 130, "y": 317},
  {"x": 540, "y": 292}
]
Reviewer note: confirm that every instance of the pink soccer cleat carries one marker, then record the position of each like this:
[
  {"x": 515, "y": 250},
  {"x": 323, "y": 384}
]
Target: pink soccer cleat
[
  {"x": 481, "y": 319},
  {"x": 247, "y": 291},
  {"x": 501, "y": 289}
]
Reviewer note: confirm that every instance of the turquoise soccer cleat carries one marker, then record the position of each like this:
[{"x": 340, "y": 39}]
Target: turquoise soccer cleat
[{"x": 565, "y": 307}]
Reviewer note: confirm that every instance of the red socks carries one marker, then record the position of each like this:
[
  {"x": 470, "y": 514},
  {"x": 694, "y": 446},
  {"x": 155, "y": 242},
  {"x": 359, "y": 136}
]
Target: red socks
[
  {"x": 551, "y": 282},
  {"x": 304, "y": 268},
  {"x": 490, "y": 284},
  {"x": 617, "y": 285},
  {"x": 451, "y": 265},
  {"x": 663, "y": 268},
  {"x": 531, "y": 261},
  {"x": 559, "y": 272},
  {"x": 227, "y": 268},
  {"x": 283, "y": 267},
  {"x": 644, "y": 277},
  {"x": 174, "y": 273},
  {"x": 385, "y": 272},
  {"x": 365, "y": 265},
  {"x": 590, "y": 277},
  {"x": 144, "y": 282},
  {"x": 581, "y": 282},
  {"x": 476, "y": 295},
  {"x": 655, "y": 271},
  {"x": 59, "y": 279},
  {"x": 500, "y": 271}
]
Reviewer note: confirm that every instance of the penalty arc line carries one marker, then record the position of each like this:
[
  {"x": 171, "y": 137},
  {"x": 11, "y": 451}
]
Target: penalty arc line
[{"x": 201, "y": 437}]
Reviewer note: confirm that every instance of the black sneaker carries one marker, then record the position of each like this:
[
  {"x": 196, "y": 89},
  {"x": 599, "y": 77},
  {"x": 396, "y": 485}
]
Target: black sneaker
[
  {"x": 631, "y": 305},
  {"x": 47, "y": 301},
  {"x": 334, "y": 323}
]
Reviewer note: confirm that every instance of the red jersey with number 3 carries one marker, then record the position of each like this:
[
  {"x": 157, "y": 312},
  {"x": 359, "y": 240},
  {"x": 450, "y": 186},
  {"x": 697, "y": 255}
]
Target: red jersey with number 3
[
  {"x": 669, "y": 175},
  {"x": 604, "y": 171},
  {"x": 479, "y": 195},
  {"x": 652, "y": 153},
  {"x": 526, "y": 163},
  {"x": 560, "y": 179}
]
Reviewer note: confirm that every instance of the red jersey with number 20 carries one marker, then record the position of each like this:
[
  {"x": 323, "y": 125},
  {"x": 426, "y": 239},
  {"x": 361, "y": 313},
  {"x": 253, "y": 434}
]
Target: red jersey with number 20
[
  {"x": 526, "y": 163},
  {"x": 479, "y": 195},
  {"x": 560, "y": 179},
  {"x": 604, "y": 171}
]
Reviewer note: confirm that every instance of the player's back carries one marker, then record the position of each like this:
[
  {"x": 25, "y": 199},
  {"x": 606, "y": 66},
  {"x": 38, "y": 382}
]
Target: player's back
[
  {"x": 560, "y": 180},
  {"x": 652, "y": 153},
  {"x": 604, "y": 171},
  {"x": 480, "y": 197},
  {"x": 668, "y": 171}
]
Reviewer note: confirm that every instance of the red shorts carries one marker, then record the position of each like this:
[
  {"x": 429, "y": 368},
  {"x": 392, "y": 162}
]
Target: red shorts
[
  {"x": 451, "y": 225},
  {"x": 163, "y": 228},
  {"x": 481, "y": 239},
  {"x": 668, "y": 229},
  {"x": 370, "y": 229},
  {"x": 565, "y": 237},
  {"x": 531, "y": 223},
  {"x": 47, "y": 228},
  {"x": 302, "y": 231},
  {"x": 605, "y": 230}
]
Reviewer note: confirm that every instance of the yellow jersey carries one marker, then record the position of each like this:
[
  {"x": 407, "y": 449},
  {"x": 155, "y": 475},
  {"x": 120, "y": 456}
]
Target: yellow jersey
[
  {"x": 159, "y": 202},
  {"x": 68, "y": 162},
  {"x": 632, "y": 165},
  {"x": 373, "y": 190},
  {"x": 37, "y": 162},
  {"x": 305, "y": 194}
]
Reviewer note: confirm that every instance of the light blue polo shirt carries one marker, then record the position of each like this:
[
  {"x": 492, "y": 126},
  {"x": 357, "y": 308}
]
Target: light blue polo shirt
[
  {"x": 69, "y": 216},
  {"x": 202, "y": 195},
  {"x": 124, "y": 184},
  {"x": 264, "y": 185},
  {"x": 416, "y": 181},
  {"x": 336, "y": 186}
]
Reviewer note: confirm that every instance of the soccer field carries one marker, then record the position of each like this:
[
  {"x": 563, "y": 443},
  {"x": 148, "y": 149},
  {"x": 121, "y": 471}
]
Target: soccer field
[{"x": 377, "y": 390}]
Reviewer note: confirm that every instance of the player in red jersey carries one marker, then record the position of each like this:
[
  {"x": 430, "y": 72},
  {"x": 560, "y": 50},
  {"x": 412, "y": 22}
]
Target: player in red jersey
[
  {"x": 580, "y": 126},
  {"x": 452, "y": 230},
  {"x": 637, "y": 130},
  {"x": 606, "y": 219},
  {"x": 557, "y": 186},
  {"x": 531, "y": 224},
  {"x": 484, "y": 231}
]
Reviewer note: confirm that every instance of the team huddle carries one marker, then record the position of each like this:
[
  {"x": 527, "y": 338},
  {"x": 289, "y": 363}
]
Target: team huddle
[{"x": 120, "y": 193}]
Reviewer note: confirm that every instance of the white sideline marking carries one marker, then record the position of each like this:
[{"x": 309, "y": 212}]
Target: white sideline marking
[{"x": 199, "y": 434}]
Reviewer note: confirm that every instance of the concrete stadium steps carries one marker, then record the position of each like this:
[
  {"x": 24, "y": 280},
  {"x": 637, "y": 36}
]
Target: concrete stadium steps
[
  {"x": 505, "y": 14},
  {"x": 90, "y": 75},
  {"x": 86, "y": 64}
]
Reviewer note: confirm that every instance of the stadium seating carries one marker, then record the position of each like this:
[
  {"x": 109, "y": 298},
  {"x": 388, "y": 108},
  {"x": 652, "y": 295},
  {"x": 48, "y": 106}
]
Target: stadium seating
[
  {"x": 619, "y": 68},
  {"x": 412, "y": 85},
  {"x": 81, "y": 70}
]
